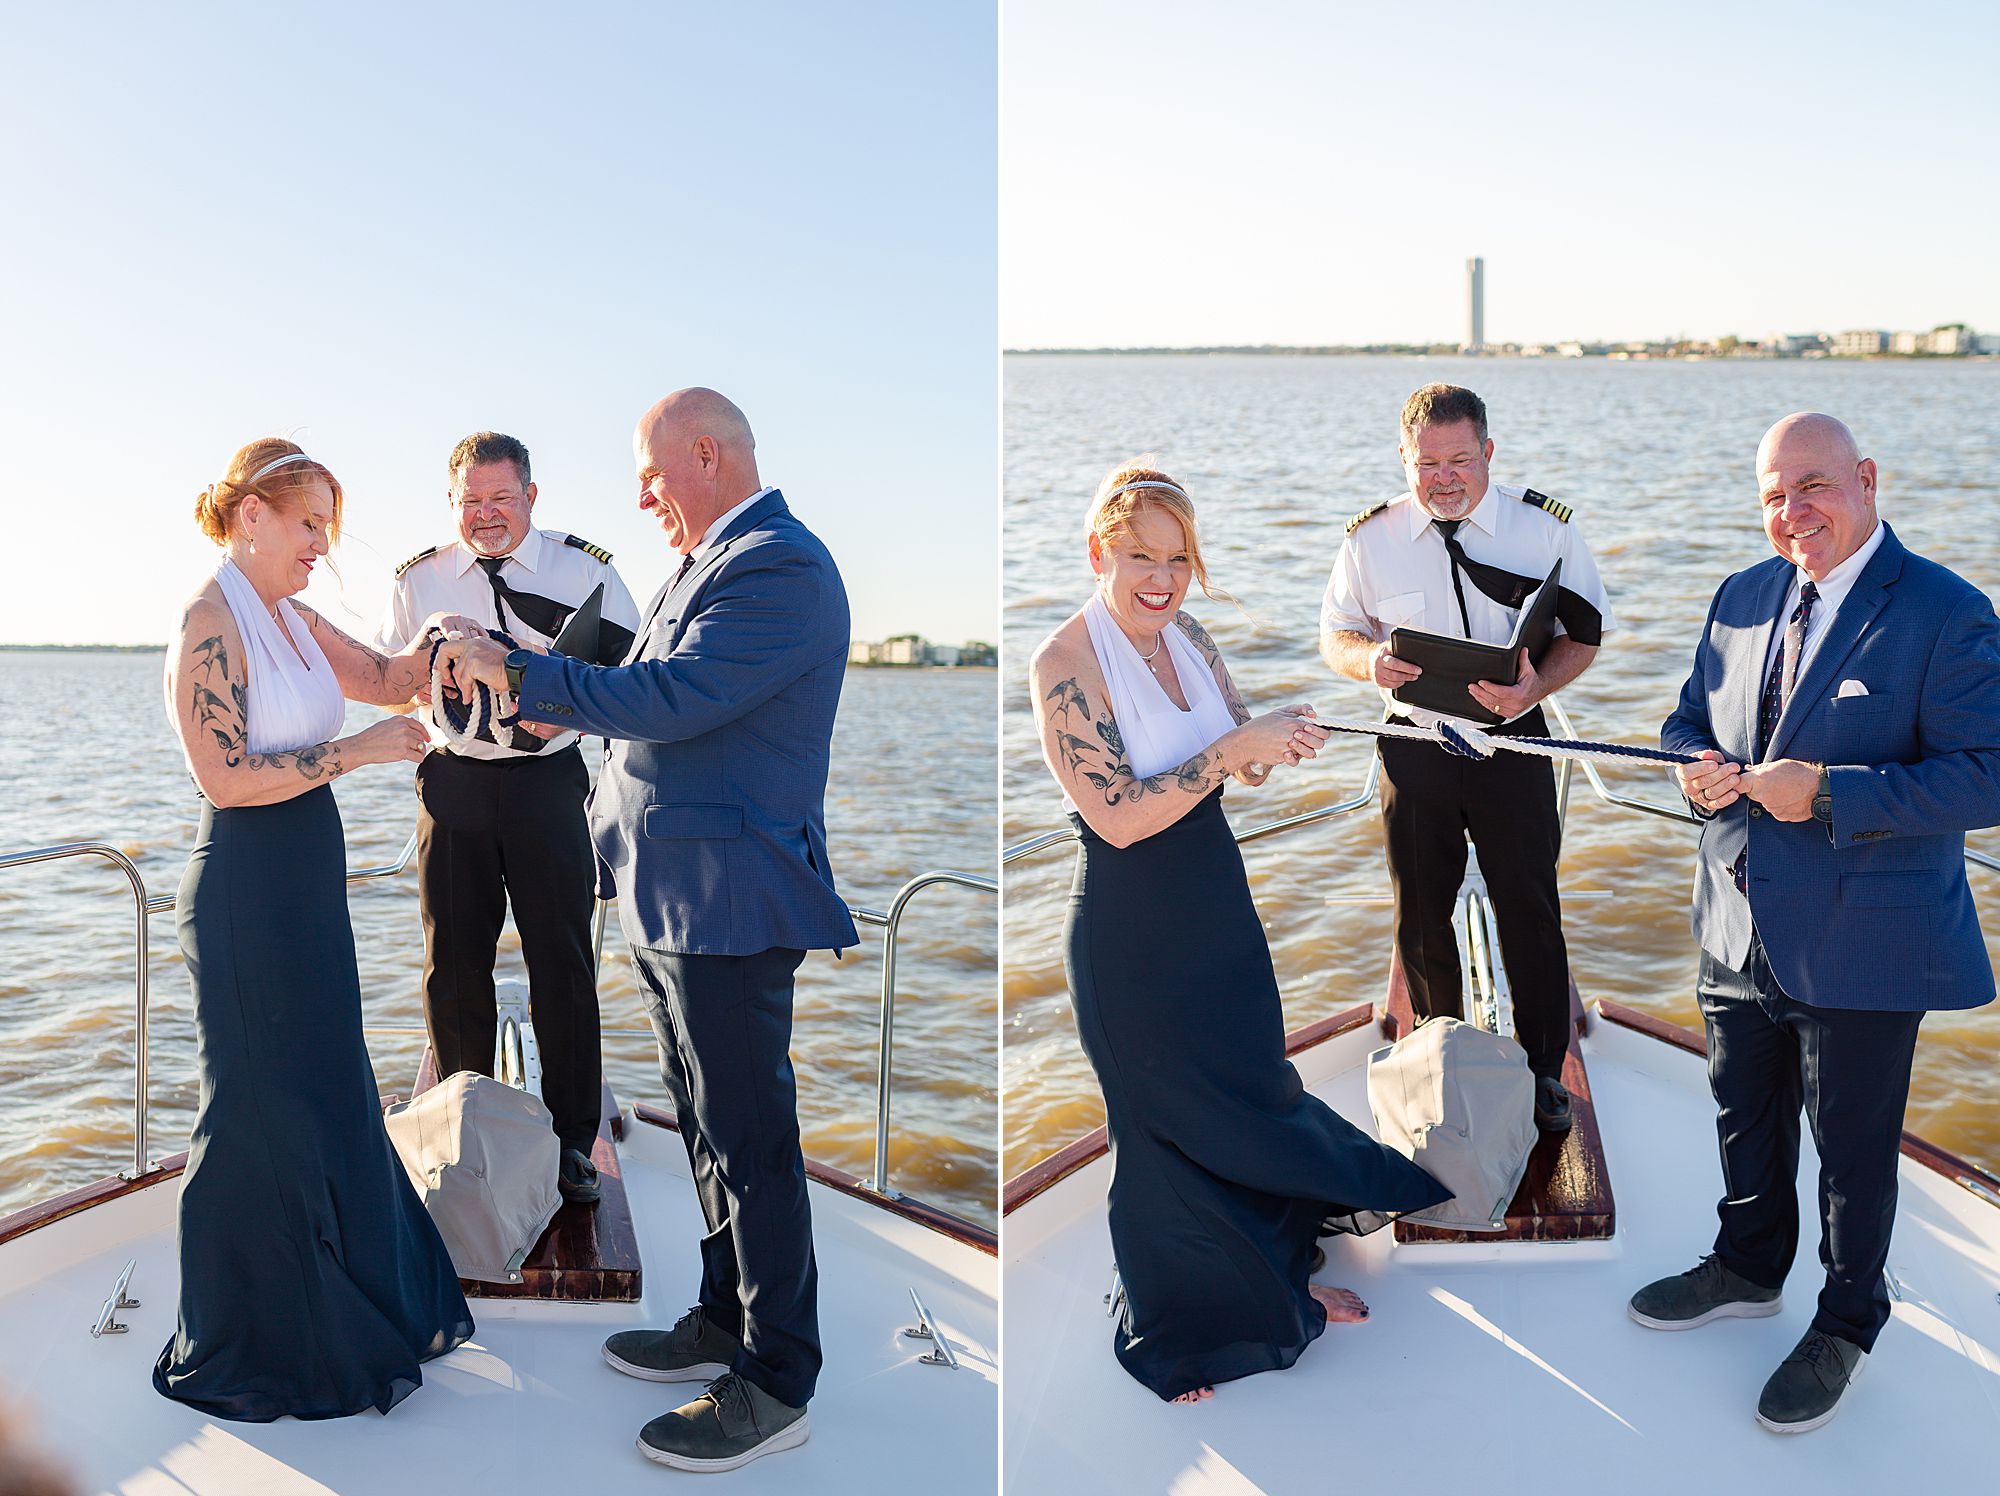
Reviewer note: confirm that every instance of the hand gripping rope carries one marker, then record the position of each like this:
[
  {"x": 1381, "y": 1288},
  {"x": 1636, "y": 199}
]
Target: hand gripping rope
[
  {"x": 1469, "y": 742},
  {"x": 489, "y": 714}
]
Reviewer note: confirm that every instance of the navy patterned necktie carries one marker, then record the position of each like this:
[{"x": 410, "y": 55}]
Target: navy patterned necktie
[
  {"x": 1785, "y": 668},
  {"x": 1778, "y": 686}
]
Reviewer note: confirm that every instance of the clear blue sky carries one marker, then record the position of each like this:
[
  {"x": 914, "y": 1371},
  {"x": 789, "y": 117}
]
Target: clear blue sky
[
  {"x": 1178, "y": 172},
  {"x": 379, "y": 227}
]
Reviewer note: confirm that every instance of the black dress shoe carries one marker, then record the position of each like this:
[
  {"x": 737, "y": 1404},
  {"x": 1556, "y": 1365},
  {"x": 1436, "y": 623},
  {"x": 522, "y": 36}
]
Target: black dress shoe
[
  {"x": 1552, "y": 1112},
  {"x": 578, "y": 1179}
]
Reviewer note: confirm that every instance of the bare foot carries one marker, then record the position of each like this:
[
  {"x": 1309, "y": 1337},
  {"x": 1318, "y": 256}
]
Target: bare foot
[
  {"x": 1341, "y": 1306},
  {"x": 1200, "y": 1394}
]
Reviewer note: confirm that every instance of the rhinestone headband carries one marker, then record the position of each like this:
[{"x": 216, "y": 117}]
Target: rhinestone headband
[{"x": 271, "y": 467}]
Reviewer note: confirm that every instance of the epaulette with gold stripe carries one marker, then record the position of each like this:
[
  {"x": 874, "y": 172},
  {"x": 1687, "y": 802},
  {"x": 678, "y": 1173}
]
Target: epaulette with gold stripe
[
  {"x": 420, "y": 556},
  {"x": 1366, "y": 515},
  {"x": 1543, "y": 502},
  {"x": 595, "y": 552}
]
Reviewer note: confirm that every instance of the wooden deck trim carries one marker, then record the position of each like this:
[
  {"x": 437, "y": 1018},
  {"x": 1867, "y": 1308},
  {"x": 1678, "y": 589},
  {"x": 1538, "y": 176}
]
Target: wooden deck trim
[
  {"x": 909, "y": 1208},
  {"x": 1968, "y": 1176},
  {"x": 48, "y": 1212},
  {"x": 1072, "y": 1156}
]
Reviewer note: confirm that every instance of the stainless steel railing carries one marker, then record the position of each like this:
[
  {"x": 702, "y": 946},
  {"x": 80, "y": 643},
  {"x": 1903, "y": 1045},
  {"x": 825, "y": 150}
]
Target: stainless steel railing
[
  {"x": 1352, "y": 803},
  {"x": 1366, "y": 793},
  {"x": 886, "y": 1033},
  {"x": 890, "y": 923},
  {"x": 141, "y": 905}
]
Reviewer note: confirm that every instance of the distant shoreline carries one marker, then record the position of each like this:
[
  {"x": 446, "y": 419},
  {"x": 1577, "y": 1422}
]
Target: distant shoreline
[
  {"x": 126, "y": 649},
  {"x": 1281, "y": 350},
  {"x": 162, "y": 649}
]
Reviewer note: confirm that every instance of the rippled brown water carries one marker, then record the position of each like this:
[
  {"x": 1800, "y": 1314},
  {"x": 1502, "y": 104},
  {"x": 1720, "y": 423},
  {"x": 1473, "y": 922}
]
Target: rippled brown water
[
  {"x": 1278, "y": 453},
  {"x": 89, "y": 757}
]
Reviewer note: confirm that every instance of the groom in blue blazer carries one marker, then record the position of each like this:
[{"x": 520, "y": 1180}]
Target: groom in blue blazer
[
  {"x": 1845, "y": 704},
  {"x": 708, "y": 818}
]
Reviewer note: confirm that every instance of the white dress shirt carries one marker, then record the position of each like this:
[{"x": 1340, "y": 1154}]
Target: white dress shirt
[
  {"x": 723, "y": 521},
  {"x": 1832, "y": 593},
  {"x": 450, "y": 580},
  {"x": 1393, "y": 571}
]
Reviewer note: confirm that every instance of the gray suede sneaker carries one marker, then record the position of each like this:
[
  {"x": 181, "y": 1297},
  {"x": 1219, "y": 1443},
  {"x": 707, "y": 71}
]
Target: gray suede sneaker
[
  {"x": 1806, "y": 1389},
  {"x": 1706, "y": 1291},
  {"x": 731, "y": 1424},
  {"x": 692, "y": 1351}
]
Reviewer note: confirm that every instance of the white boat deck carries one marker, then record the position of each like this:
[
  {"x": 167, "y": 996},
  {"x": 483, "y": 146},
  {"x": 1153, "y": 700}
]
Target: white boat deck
[
  {"x": 529, "y": 1405},
  {"x": 1513, "y": 1367}
]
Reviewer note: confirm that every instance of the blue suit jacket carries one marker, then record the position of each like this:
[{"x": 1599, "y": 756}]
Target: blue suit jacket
[
  {"x": 709, "y": 811},
  {"x": 1873, "y": 911}
]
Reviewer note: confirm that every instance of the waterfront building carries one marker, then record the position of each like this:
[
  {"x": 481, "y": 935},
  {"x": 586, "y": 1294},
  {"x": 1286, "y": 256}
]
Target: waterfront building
[
  {"x": 1860, "y": 342},
  {"x": 1953, "y": 340},
  {"x": 1906, "y": 342}
]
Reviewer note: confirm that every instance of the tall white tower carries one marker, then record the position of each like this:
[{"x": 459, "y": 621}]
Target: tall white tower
[{"x": 1475, "y": 305}]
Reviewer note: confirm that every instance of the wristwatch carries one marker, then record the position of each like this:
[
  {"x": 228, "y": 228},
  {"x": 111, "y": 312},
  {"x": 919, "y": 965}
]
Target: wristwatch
[
  {"x": 1822, "y": 800},
  {"x": 517, "y": 661}
]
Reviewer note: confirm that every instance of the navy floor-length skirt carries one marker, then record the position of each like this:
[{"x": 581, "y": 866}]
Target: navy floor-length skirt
[
  {"x": 1224, "y": 1169},
  {"x": 312, "y": 1280}
]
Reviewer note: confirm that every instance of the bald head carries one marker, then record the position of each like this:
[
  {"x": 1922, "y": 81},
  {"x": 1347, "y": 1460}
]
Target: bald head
[
  {"x": 1817, "y": 492},
  {"x": 695, "y": 412},
  {"x": 1809, "y": 428},
  {"x": 697, "y": 460}
]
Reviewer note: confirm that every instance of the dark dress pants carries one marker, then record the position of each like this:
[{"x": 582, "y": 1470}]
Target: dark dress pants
[
  {"x": 725, "y": 1029},
  {"x": 1849, "y": 1069},
  {"x": 1431, "y": 801},
  {"x": 492, "y": 830}
]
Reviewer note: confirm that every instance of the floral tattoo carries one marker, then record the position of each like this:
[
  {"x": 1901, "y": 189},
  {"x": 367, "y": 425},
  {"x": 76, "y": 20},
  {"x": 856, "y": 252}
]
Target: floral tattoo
[
  {"x": 226, "y": 719},
  {"x": 1102, "y": 763}
]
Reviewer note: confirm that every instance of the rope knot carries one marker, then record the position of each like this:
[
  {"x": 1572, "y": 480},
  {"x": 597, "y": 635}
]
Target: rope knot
[{"x": 489, "y": 716}]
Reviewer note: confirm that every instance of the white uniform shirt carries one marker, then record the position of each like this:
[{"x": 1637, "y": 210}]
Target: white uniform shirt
[
  {"x": 449, "y": 580},
  {"x": 1393, "y": 571},
  {"x": 1832, "y": 593}
]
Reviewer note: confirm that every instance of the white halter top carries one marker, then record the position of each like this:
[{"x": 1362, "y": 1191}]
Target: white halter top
[
  {"x": 1156, "y": 733},
  {"x": 293, "y": 702}
]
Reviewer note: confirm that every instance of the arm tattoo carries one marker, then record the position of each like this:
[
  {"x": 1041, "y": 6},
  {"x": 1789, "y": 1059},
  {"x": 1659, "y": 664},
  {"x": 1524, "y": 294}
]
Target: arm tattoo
[
  {"x": 1200, "y": 638},
  {"x": 1196, "y": 633},
  {"x": 374, "y": 667},
  {"x": 226, "y": 719},
  {"x": 1103, "y": 764}
]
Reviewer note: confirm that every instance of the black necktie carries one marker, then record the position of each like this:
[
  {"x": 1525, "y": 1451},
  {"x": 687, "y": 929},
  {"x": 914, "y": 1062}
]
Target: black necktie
[
  {"x": 1581, "y": 619},
  {"x": 538, "y": 613},
  {"x": 686, "y": 562},
  {"x": 1448, "y": 528}
]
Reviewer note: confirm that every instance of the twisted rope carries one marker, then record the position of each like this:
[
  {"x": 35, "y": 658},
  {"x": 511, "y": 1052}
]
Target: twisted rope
[
  {"x": 1467, "y": 741},
  {"x": 489, "y": 714}
]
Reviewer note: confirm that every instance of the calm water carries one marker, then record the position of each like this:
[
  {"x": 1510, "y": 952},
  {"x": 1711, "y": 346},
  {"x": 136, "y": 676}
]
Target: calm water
[
  {"x": 91, "y": 758},
  {"x": 1278, "y": 453}
]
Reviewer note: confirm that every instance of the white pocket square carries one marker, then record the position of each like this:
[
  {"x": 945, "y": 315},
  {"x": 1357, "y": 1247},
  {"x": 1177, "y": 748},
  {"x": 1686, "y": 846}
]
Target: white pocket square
[{"x": 1851, "y": 688}]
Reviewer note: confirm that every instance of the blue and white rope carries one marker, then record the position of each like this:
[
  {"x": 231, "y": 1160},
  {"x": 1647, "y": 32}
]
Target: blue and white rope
[
  {"x": 462, "y": 722},
  {"x": 1467, "y": 741}
]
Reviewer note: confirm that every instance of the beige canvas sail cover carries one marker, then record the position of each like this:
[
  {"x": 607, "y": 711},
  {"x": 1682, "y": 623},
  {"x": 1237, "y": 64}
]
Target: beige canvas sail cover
[
  {"x": 1458, "y": 1102},
  {"x": 484, "y": 1158}
]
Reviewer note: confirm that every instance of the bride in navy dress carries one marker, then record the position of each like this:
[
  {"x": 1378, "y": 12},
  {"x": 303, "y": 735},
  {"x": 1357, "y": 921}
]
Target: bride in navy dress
[
  {"x": 1225, "y": 1170},
  {"x": 312, "y": 1280}
]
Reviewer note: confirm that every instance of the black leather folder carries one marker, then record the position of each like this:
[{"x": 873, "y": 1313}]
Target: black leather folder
[{"x": 1452, "y": 664}]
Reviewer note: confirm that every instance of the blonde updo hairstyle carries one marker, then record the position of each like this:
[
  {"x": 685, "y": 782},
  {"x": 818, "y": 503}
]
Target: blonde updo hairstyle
[
  {"x": 216, "y": 506},
  {"x": 1112, "y": 512}
]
